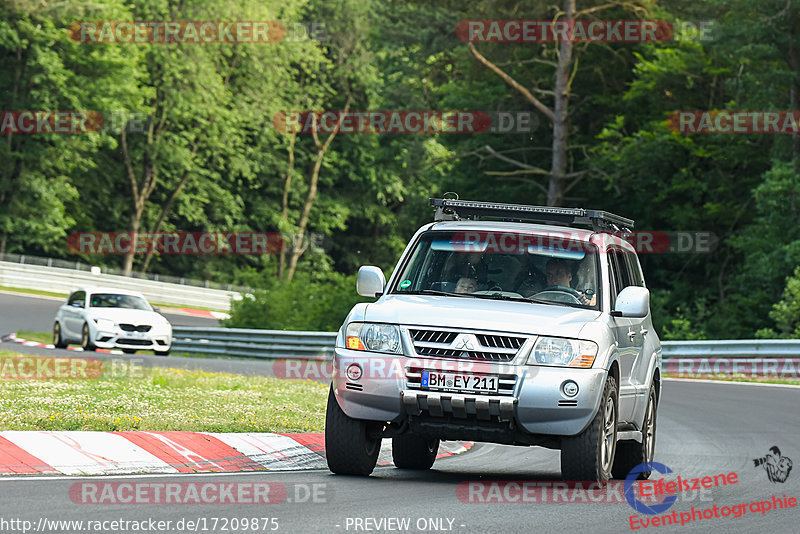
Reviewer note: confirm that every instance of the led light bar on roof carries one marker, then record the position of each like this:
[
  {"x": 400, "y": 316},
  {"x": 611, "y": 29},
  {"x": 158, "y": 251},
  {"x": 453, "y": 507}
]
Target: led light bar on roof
[{"x": 454, "y": 209}]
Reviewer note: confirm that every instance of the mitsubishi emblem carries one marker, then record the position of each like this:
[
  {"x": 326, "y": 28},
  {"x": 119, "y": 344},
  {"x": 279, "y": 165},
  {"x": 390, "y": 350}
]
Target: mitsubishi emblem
[{"x": 465, "y": 342}]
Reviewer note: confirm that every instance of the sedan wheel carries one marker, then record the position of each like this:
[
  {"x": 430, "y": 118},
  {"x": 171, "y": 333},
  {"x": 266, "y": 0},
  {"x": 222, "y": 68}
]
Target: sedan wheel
[
  {"x": 86, "y": 341},
  {"x": 58, "y": 341}
]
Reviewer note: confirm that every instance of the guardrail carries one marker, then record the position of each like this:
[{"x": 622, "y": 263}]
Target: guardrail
[
  {"x": 682, "y": 357},
  {"x": 63, "y": 280},
  {"x": 737, "y": 348},
  {"x": 241, "y": 342}
]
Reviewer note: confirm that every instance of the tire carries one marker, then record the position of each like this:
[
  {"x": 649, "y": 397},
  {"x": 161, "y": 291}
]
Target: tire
[
  {"x": 86, "y": 343},
  {"x": 589, "y": 456},
  {"x": 632, "y": 453},
  {"x": 129, "y": 351},
  {"x": 58, "y": 341},
  {"x": 162, "y": 352},
  {"x": 410, "y": 451},
  {"x": 348, "y": 447}
]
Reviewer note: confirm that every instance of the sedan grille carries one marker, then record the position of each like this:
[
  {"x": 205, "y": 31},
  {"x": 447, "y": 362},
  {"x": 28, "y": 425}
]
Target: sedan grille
[
  {"x": 134, "y": 327},
  {"x": 466, "y": 345},
  {"x": 139, "y": 342}
]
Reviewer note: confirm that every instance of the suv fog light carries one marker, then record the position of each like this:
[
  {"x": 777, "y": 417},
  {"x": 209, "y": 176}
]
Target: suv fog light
[
  {"x": 569, "y": 388},
  {"x": 353, "y": 372}
]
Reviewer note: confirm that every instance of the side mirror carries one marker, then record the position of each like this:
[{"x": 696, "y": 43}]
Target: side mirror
[
  {"x": 370, "y": 281},
  {"x": 633, "y": 301}
]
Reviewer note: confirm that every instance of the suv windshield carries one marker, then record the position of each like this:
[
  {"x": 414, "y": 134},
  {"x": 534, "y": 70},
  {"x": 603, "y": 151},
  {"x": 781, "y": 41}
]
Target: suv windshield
[
  {"x": 547, "y": 268},
  {"x": 112, "y": 300}
]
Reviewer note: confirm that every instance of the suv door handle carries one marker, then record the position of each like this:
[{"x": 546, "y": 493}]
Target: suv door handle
[
  {"x": 631, "y": 334},
  {"x": 643, "y": 331}
]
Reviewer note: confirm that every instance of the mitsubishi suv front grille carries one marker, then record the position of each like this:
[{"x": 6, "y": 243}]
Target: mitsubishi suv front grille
[{"x": 466, "y": 345}]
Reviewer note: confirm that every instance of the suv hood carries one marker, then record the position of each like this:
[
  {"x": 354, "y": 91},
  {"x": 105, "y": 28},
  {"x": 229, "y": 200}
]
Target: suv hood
[{"x": 480, "y": 314}]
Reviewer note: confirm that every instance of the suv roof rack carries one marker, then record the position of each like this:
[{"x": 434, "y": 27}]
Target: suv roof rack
[{"x": 449, "y": 209}]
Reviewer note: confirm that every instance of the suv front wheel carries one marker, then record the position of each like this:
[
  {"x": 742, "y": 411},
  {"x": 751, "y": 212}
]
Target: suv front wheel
[
  {"x": 589, "y": 456},
  {"x": 349, "y": 446}
]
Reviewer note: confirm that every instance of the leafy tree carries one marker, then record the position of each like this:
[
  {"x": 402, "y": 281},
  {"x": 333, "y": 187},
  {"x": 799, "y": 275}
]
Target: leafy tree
[{"x": 44, "y": 70}]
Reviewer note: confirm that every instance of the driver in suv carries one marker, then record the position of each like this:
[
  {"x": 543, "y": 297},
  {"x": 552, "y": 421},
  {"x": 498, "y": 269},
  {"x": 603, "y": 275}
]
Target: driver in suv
[{"x": 559, "y": 276}]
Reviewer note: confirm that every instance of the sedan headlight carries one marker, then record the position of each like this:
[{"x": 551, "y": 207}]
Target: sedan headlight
[
  {"x": 105, "y": 324},
  {"x": 374, "y": 337},
  {"x": 563, "y": 352}
]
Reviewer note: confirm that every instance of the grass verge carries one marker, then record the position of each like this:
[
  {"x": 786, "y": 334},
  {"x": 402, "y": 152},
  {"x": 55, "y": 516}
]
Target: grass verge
[
  {"x": 162, "y": 399},
  {"x": 739, "y": 378},
  {"x": 39, "y": 337}
]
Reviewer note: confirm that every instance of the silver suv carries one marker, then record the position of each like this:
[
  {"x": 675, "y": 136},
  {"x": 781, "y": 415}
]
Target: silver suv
[{"x": 501, "y": 331}]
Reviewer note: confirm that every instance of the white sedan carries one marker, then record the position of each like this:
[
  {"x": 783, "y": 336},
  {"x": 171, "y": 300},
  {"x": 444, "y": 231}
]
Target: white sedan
[{"x": 109, "y": 319}]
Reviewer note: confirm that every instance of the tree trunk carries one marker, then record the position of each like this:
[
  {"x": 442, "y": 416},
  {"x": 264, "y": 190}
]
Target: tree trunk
[
  {"x": 139, "y": 193},
  {"x": 166, "y": 207},
  {"x": 287, "y": 184},
  {"x": 558, "y": 166},
  {"x": 322, "y": 149},
  {"x": 794, "y": 87}
]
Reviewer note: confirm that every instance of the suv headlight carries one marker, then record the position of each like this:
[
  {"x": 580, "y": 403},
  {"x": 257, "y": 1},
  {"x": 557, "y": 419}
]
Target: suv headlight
[
  {"x": 563, "y": 352},
  {"x": 374, "y": 337},
  {"x": 105, "y": 324}
]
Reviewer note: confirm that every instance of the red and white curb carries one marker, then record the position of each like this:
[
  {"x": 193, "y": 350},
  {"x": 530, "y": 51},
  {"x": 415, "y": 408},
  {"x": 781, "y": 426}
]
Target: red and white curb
[
  {"x": 14, "y": 339},
  {"x": 114, "y": 453},
  {"x": 204, "y": 313}
]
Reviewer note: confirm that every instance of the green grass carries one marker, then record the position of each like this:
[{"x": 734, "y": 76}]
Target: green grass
[
  {"x": 162, "y": 399},
  {"x": 33, "y": 292},
  {"x": 39, "y": 337},
  {"x": 738, "y": 378}
]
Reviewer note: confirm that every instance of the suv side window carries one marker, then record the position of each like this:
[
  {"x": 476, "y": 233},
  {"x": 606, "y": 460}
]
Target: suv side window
[
  {"x": 617, "y": 282},
  {"x": 77, "y": 299},
  {"x": 635, "y": 270}
]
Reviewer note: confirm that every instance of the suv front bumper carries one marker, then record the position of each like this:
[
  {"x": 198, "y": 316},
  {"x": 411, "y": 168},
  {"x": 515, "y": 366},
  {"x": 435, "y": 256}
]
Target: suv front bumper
[{"x": 533, "y": 399}]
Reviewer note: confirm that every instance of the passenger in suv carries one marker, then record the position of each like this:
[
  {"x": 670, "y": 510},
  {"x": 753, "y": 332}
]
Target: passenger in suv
[{"x": 559, "y": 368}]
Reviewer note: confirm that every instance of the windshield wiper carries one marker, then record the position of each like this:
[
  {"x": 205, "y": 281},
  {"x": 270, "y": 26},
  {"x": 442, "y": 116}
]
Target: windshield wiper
[{"x": 431, "y": 292}]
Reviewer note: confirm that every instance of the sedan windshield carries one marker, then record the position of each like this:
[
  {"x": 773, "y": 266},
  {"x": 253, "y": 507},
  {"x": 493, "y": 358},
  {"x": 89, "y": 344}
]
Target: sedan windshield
[
  {"x": 113, "y": 300},
  {"x": 548, "y": 268}
]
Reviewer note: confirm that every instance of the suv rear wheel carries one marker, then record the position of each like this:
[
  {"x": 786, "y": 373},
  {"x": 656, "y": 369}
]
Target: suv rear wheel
[
  {"x": 590, "y": 455},
  {"x": 632, "y": 453},
  {"x": 349, "y": 447},
  {"x": 410, "y": 451}
]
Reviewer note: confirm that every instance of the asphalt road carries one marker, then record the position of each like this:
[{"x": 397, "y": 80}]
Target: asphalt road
[
  {"x": 704, "y": 429},
  {"x": 36, "y": 314}
]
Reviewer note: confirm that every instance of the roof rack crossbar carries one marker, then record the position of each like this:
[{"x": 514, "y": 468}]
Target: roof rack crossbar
[{"x": 454, "y": 209}]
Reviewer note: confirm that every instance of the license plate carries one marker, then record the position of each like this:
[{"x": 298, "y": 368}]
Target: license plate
[
  {"x": 138, "y": 334},
  {"x": 435, "y": 380}
]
